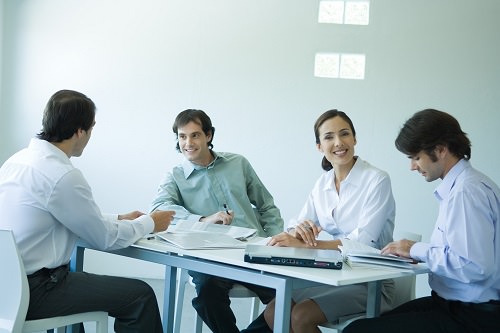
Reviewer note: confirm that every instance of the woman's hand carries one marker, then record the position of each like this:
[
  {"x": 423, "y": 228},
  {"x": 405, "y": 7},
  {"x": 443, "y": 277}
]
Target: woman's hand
[
  {"x": 285, "y": 239},
  {"x": 308, "y": 232}
]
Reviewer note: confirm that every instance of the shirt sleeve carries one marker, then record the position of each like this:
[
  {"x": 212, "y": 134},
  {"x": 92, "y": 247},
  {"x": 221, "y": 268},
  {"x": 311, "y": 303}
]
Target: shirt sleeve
[
  {"x": 308, "y": 212},
  {"x": 462, "y": 244},
  {"x": 374, "y": 213},
  {"x": 169, "y": 198},
  {"x": 269, "y": 215},
  {"x": 73, "y": 205}
]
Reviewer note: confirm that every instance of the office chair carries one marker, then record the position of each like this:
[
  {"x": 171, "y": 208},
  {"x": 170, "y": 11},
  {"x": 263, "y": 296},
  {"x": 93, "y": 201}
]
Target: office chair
[
  {"x": 14, "y": 289},
  {"x": 404, "y": 288},
  {"x": 238, "y": 291}
]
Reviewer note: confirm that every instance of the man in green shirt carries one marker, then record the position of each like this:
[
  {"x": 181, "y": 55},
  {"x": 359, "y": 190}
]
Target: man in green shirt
[{"x": 222, "y": 188}]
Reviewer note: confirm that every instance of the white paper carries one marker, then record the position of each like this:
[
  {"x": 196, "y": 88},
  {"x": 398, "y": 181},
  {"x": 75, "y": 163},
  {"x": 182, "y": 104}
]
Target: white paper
[{"x": 192, "y": 226}]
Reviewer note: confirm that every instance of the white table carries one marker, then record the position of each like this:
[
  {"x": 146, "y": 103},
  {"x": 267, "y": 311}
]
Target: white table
[{"x": 229, "y": 263}]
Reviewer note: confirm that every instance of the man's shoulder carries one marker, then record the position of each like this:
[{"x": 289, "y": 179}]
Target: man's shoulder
[
  {"x": 471, "y": 177},
  {"x": 225, "y": 154},
  {"x": 44, "y": 163},
  {"x": 232, "y": 157}
]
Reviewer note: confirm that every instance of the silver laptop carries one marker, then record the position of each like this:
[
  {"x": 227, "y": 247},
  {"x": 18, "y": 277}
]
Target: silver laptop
[{"x": 292, "y": 256}]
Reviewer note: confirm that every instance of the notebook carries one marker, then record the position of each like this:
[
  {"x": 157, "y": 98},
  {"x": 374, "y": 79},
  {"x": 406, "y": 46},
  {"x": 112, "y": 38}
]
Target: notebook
[
  {"x": 357, "y": 254},
  {"x": 363, "y": 259},
  {"x": 293, "y": 256}
]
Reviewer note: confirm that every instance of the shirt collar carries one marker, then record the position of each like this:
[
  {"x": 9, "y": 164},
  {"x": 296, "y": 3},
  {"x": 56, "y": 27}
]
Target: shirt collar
[
  {"x": 352, "y": 177},
  {"x": 189, "y": 166},
  {"x": 442, "y": 190},
  {"x": 47, "y": 147}
]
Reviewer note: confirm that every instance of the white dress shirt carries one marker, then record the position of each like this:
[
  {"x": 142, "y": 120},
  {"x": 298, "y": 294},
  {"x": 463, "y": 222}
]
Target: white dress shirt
[
  {"x": 464, "y": 251},
  {"x": 364, "y": 210},
  {"x": 48, "y": 205}
]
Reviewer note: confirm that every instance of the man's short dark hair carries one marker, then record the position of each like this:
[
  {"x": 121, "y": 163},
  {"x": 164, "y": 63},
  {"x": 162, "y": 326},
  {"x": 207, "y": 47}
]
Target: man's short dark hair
[
  {"x": 66, "y": 112},
  {"x": 197, "y": 116},
  {"x": 429, "y": 128}
]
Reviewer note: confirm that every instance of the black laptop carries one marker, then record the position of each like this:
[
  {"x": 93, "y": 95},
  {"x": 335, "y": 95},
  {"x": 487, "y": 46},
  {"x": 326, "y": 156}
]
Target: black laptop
[{"x": 293, "y": 256}]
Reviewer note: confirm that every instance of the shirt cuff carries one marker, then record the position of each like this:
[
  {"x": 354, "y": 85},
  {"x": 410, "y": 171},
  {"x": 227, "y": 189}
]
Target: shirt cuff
[
  {"x": 111, "y": 217},
  {"x": 419, "y": 251},
  {"x": 147, "y": 221},
  {"x": 194, "y": 217}
]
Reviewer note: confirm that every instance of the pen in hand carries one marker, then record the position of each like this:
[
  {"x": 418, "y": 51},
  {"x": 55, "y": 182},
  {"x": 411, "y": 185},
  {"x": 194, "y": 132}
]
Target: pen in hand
[{"x": 225, "y": 207}]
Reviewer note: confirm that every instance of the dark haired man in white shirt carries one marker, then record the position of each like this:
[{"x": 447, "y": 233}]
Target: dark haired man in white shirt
[{"x": 48, "y": 205}]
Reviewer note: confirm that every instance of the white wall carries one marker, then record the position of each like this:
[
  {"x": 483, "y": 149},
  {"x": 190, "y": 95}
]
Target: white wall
[
  {"x": 3, "y": 119},
  {"x": 249, "y": 64}
]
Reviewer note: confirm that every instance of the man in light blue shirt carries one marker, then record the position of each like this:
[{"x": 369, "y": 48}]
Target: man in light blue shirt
[
  {"x": 212, "y": 187},
  {"x": 463, "y": 254}
]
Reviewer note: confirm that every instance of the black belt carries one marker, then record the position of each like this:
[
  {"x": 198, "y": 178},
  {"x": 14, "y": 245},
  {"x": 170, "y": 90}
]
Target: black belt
[
  {"x": 48, "y": 271},
  {"x": 49, "y": 276},
  {"x": 491, "y": 306}
]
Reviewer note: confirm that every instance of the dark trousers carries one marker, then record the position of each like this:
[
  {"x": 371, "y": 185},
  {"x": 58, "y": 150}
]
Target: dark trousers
[
  {"x": 212, "y": 302},
  {"x": 431, "y": 315},
  {"x": 58, "y": 292}
]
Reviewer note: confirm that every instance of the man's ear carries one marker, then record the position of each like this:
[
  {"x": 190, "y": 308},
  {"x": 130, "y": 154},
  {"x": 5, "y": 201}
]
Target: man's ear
[
  {"x": 441, "y": 150},
  {"x": 79, "y": 132}
]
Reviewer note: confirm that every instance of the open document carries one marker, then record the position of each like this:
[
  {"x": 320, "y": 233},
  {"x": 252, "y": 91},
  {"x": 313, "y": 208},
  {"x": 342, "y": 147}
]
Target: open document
[
  {"x": 357, "y": 254},
  {"x": 230, "y": 230},
  {"x": 200, "y": 240},
  {"x": 198, "y": 235}
]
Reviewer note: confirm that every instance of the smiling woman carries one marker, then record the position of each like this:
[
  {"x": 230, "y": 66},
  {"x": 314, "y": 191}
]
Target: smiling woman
[{"x": 350, "y": 200}]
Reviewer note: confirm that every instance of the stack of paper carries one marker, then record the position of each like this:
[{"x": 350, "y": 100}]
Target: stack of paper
[
  {"x": 233, "y": 231},
  {"x": 200, "y": 240},
  {"x": 362, "y": 259},
  {"x": 198, "y": 235},
  {"x": 357, "y": 254}
]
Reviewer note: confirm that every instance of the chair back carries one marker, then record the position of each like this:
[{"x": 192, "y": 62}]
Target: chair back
[
  {"x": 13, "y": 285},
  {"x": 409, "y": 235}
]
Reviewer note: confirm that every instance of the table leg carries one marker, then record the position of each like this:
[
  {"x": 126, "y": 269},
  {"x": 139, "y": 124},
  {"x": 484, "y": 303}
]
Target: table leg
[
  {"x": 169, "y": 298},
  {"x": 283, "y": 303},
  {"x": 76, "y": 261},
  {"x": 76, "y": 265},
  {"x": 373, "y": 299}
]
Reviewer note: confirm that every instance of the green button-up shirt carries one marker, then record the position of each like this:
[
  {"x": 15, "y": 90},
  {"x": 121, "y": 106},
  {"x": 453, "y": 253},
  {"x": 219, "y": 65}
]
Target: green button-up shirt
[{"x": 193, "y": 191}]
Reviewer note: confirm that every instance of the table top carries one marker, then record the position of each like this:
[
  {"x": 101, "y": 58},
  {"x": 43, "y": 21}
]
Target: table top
[{"x": 345, "y": 276}]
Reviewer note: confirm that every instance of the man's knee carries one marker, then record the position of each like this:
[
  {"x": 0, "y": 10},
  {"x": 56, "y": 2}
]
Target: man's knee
[{"x": 213, "y": 286}]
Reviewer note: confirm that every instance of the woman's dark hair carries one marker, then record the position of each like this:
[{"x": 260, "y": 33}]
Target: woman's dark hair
[
  {"x": 325, "y": 164},
  {"x": 429, "y": 128},
  {"x": 197, "y": 116},
  {"x": 66, "y": 112}
]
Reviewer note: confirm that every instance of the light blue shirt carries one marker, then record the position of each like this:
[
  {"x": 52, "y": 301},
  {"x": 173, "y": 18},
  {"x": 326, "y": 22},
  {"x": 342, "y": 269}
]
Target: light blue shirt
[
  {"x": 364, "y": 210},
  {"x": 464, "y": 250},
  {"x": 193, "y": 191}
]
